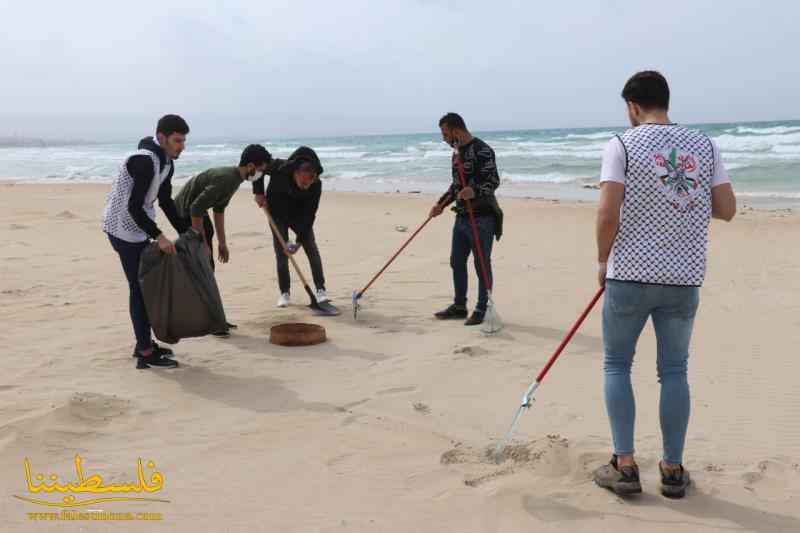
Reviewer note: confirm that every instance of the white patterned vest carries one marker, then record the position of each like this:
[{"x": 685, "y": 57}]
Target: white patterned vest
[
  {"x": 117, "y": 220},
  {"x": 665, "y": 216}
]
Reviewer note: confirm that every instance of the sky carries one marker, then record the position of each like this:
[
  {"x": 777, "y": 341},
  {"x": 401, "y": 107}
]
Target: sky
[{"x": 107, "y": 70}]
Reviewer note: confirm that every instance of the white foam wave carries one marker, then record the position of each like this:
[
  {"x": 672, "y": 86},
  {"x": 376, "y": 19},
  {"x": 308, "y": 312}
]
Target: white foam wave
[
  {"x": 538, "y": 178},
  {"x": 344, "y": 155},
  {"x": 598, "y": 135},
  {"x": 392, "y": 159},
  {"x": 756, "y": 143},
  {"x": 336, "y": 148},
  {"x": 349, "y": 175},
  {"x": 437, "y": 153},
  {"x": 776, "y": 130},
  {"x": 769, "y": 194}
]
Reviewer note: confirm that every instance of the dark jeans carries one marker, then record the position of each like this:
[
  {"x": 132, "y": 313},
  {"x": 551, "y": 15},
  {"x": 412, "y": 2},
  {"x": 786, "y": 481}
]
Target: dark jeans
[
  {"x": 463, "y": 245},
  {"x": 312, "y": 252},
  {"x": 129, "y": 255}
]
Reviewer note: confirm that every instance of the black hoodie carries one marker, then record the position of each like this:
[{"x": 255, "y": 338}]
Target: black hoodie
[
  {"x": 140, "y": 167},
  {"x": 289, "y": 205}
]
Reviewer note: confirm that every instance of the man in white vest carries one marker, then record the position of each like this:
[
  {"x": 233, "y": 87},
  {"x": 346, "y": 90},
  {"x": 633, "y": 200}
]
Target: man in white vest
[
  {"x": 661, "y": 184},
  {"x": 129, "y": 221}
]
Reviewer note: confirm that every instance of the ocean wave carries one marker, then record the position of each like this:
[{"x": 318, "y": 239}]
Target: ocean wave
[
  {"x": 336, "y": 148},
  {"x": 539, "y": 178},
  {"x": 348, "y": 175},
  {"x": 769, "y": 194},
  {"x": 775, "y": 130},
  {"x": 598, "y": 135},
  {"x": 391, "y": 159},
  {"x": 343, "y": 155},
  {"x": 756, "y": 143},
  {"x": 759, "y": 157},
  {"x": 437, "y": 153}
]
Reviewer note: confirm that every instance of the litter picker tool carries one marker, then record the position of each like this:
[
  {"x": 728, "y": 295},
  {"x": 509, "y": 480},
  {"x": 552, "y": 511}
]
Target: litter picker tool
[
  {"x": 491, "y": 319},
  {"x": 321, "y": 308},
  {"x": 358, "y": 294},
  {"x": 527, "y": 399}
]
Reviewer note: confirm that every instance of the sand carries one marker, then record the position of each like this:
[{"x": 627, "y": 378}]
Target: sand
[{"x": 386, "y": 427}]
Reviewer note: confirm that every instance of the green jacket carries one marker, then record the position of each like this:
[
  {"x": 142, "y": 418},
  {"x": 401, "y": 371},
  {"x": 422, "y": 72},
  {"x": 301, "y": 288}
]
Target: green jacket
[{"x": 212, "y": 189}]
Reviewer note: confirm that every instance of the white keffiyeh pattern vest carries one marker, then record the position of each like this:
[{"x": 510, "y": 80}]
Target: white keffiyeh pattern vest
[
  {"x": 117, "y": 220},
  {"x": 663, "y": 232}
]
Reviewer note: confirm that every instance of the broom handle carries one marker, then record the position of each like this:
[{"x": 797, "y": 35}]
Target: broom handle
[
  {"x": 569, "y": 336},
  {"x": 284, "y": 246},
  {"x": 361, "y": 293},
  {"x": 473, "y": 223}
]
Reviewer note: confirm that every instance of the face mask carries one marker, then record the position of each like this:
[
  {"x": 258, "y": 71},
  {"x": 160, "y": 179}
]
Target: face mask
[{"x": 257, "y": 176}]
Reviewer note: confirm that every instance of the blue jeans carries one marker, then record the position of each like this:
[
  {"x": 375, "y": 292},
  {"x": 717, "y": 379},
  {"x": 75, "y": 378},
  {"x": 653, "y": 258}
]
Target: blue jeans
[
  {"x": 463, "y": 245},
  {"x": 129, "y": 255},
  {"x": 626, "y": 308}
]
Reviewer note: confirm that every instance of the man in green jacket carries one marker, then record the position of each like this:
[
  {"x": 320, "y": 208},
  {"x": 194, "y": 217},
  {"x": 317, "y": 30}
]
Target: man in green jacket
[{"x": 213, "y": 189}]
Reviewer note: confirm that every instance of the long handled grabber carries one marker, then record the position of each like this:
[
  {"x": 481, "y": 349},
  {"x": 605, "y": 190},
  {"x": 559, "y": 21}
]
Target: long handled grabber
[
  {"x": 491, "y": 319},
  {"x": 321, "y": 308},
  {"x": 527, "y": 399},
  {"x": 358, "y": 294}
]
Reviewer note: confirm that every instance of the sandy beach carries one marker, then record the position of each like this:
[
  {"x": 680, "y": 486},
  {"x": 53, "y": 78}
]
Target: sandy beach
[{"x": 385, "y": 427}]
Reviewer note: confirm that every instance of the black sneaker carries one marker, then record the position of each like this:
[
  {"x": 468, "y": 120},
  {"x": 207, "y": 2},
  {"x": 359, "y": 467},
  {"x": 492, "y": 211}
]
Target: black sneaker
[
  {"x": 475, "y": 319},
  {"x": 624, "y": 481},
  {"x": 231, "y": 326},
  {"x": 155, "y": 361},
  {"x": 674, "y": 482},
  {"x": 453, "y": 312},
  {"x": 158, "y": 350}
]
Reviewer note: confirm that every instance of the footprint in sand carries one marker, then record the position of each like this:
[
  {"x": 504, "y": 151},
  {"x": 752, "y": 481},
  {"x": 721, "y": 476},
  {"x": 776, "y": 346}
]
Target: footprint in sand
[
  {"x": 67, "y": 215},
  {"x": 248, "y": 234},
  {"x": 777, "y": 473},
  {"x": 421, "y": 408},
  {"x": 471, "y": 351},
  {"x": 396, "y": 390}
]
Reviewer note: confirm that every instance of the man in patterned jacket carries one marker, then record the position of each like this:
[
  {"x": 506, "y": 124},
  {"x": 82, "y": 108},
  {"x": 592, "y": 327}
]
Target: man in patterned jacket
[
  {"x": 482, "y": 178},
  {"x": 661, "y": 184}
]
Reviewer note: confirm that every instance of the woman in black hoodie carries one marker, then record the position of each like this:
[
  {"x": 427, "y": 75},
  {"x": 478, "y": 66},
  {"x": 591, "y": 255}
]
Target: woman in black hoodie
[{"x": 293, "y": 196}]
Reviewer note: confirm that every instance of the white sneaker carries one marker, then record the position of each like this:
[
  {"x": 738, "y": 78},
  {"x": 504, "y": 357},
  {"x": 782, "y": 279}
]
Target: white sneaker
[
  {"x": 283, "y": 301},
  {"x": 322, "y": 296}
]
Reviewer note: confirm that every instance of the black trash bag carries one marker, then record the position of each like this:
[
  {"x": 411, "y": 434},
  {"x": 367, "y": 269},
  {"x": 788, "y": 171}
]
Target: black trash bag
[{"x": 180, "y": 292}]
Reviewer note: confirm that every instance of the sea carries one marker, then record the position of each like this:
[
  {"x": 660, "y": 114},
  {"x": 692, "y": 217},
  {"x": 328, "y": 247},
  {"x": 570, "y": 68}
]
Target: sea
[{"x": 763, "y": 159}]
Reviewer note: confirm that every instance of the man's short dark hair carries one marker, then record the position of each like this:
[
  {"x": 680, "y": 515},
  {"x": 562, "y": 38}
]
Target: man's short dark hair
[
  {"x": 453, "y": 120},
  {"x": 649, "y": 89},
  {"x": 256, "y": 154},
  {"x": 169, "y": 124}
]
